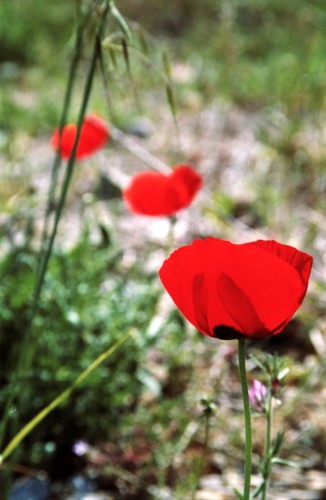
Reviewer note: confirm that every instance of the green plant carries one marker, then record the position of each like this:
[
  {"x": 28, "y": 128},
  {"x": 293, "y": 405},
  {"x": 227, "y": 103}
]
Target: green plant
[{"x": 87, "y": 305}]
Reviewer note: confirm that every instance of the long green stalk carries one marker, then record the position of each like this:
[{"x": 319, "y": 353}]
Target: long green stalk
[
  {"x": 246, "y": 407},
  {"x": 40, "y": 272},
  {"x": 71, "y": 161},
  {"x": 63, "y": 120},
  {"x": 12, "y": 445},
  {"x": 21, "y": 364}
]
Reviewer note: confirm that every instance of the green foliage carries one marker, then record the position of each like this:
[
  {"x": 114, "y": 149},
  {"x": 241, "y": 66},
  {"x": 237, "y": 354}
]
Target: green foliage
[
  {"x": 255, "y": 53},
  {"x": 87, "y": 305},
  {"x": 263, "y": 53},
  {"x": 26, "y": 112},
  {"x": 255, "y": 50},
  {"x": 29, "y": 29}
]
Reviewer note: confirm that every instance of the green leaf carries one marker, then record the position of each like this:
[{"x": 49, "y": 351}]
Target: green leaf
[
  {"x": 258, "y": 362},
  {"x": 283, "y": 373},
  {"x": 143, "y": 42},
  {"x": 125, "y": 53},
  {"x": 280, "y": 461},
  {"x": 238, "y": 494},
  {"x": 258, "y": 490},
  {"x": 113, "y": 57},
  {"x": 171, "y": 100},
  {"x": 167, "y": 65},
  {"x": 279, "y": 441},
  {"x": 121, "y": 21}
]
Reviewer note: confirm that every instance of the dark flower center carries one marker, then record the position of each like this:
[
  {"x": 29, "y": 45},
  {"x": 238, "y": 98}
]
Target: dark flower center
[{"x": 224, "y": 332}]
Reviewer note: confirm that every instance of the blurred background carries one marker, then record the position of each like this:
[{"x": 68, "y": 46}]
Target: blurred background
[{"x": 249, "y": 80}]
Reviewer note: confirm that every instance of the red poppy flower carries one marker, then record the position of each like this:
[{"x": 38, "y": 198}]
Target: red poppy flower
[
  {"x": 93, "y": 135},
  {"x": 154, "y": 193},
  {"x": 234, "y": 291}
]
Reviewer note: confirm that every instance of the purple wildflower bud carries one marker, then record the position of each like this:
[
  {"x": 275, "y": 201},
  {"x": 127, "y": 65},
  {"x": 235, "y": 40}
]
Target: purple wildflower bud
[{"x": 257, "y": 394}]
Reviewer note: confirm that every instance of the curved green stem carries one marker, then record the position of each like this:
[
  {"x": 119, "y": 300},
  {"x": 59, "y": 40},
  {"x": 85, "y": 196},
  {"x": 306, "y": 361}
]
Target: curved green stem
[
  {"x": 12, "y": 445},
  {"x": 246, "y": 406}
]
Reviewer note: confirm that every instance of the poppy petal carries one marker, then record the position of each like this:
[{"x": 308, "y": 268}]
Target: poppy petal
[
  {"x": 148, "y": 194},
  {"x": 301, "y": 261},
  {"x": 179, "y": 281},
  {"x": 196, "y": 297},
  {"x": 200, "y": 300},
  {"x": 156, "y": 194},
  {"x": 66, "y": 141},
  {"x": 55, "y": 139},
  {"x": 239, "y": 307},
  {"x": 229, "y": 291},
  {"x": 93, "y": 135},
  {"x": 273, "y": 286},
  {"x": 188, "y": 178}
]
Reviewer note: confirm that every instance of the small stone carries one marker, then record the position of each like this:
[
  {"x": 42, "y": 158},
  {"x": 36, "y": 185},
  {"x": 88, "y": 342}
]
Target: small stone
[{"x": 30, "y": 489}]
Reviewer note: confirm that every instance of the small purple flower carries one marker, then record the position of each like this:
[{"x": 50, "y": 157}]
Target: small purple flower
[
  {"x": 257, "y": 394},
  {"x": 80, "y": 448}
]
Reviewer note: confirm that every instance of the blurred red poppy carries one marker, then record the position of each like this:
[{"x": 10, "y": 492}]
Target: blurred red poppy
[
  {"x": 154, "y": 193},
  {"x": 231, "y": 291},
  {"x": 93, "y": 135}
]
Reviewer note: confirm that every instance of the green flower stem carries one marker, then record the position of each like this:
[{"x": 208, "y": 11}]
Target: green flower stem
[
  {"x": 12, "y": 445},
  {"x": 246, "y": 406},
  {"x": 267, "y": 452},
  {"x": 63, "y": 119},
  {"x": 22, "y": 360},
  {"x": 40, "y": 272},
  {"x": 71, "y": 161}
]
